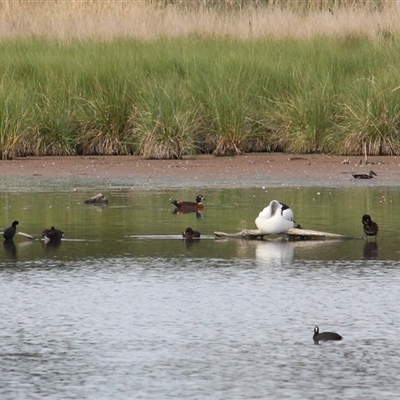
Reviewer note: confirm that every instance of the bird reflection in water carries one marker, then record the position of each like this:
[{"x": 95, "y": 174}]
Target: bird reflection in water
[
  {"x": 275, "y": 253},
  {"x": 198, "y": 213},
  {"x": 10, "y": 247},
  {"x": 51, "y": 243},
  {"x": 190, "y": 243},
  {"x": 370, "y": 250}
]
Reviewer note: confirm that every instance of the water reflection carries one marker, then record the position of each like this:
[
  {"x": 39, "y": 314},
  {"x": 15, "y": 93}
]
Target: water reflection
[
  {"x": 149, "y": 213},
  {"x": 191, "y": 242},
  {"x": 179, "y": 324},
  {"x": 51, "y": 244},
  {"x": 370, "y": 250},
  {"x": 10, "y": 248},
  {"x": 286, "y": 253},
  {"x": 220, "y": 312},
  {"x": 198, "y": 214},
  {"x": 275, "y": 252}
]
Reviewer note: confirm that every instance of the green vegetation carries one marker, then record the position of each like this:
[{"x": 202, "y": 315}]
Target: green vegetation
[{"x": 166, "y": 98}]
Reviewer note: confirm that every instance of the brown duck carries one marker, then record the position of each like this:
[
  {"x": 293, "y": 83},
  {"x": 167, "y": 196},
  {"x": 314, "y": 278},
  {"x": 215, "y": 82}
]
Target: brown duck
[
  {"x": 189, "y": 205},
  {"x": 371, "y": 228},
  {"x": 190, "y": 234},
  {"x": 370, "y": 175}
]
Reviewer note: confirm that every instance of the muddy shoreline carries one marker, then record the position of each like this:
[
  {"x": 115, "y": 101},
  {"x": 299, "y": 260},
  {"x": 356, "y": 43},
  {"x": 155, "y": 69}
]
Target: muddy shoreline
[{"x": 248, "y": 170}]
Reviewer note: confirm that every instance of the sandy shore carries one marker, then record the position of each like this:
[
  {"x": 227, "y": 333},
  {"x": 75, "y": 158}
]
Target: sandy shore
[{"x": 239, "y": 171}]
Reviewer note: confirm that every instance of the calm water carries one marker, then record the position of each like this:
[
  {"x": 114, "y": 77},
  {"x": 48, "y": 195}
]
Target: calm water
[{"x": 124, "y": 309}]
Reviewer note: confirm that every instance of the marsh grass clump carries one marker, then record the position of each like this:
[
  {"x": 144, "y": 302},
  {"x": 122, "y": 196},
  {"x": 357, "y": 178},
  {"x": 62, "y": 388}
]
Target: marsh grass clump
[
  {"x": 103, "y": 128},
  {"x": 165, "y": 139},
  {"x": 371, "y": 120},
  {"x": 304, "y": 123},
  {"x": 229, "y": 123},
  {"x": 166, "y": 125},
  {"x": 11, "y": 133},
  {"x": 51, "y": 127}
]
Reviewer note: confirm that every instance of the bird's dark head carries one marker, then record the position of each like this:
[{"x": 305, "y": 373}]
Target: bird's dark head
[
  {"x": 366, "y": 219},
  {"x": 199, "y": 198},
  {"x": 284, "y": 207}
]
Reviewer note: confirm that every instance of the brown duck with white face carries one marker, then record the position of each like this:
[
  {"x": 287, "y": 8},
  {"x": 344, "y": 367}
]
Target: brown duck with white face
[{"x": 189, "y": 205}]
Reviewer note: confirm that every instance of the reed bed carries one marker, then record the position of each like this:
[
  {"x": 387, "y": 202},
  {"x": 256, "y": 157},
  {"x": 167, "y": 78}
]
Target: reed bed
[
  {"x": 165, "y": 80},
  {"x": 239, "y": 19}
]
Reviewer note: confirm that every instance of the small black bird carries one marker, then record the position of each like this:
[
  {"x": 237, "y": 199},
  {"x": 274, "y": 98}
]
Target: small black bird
[
  {"x": 365, "y": 176},
  {"x": 189, "y": 205},
  {"x": 324, "y": 336},
  {"x": 52, "y": 234},
  {"x": 371, "y": 228},
  {"x": 10, "y": 232},
  {"x": 190, "y": 234}
]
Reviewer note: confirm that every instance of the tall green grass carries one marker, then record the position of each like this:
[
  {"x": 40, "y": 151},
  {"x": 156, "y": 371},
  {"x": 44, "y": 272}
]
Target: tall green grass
[{"x": 168, "y": 98}]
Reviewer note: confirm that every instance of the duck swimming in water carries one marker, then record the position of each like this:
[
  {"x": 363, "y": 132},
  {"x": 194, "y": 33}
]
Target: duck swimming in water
[
  {"x": 189, "y": 205},
  {"x": 365, "y": 176},
  {"x": 324, "y": 336},
  {"x": 10, "y": 232},
  {"x": 371, "y": 228},
  {"x": 275, "y": 219},
  {"x": 52, "y": 234},
  {"x": 190, "y": 234}
]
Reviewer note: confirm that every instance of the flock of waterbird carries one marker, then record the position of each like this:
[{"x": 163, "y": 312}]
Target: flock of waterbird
[
  {"x": 276, "y": 218},
  {"x": 51, "y": 234},
  {"x": 370, "y": 228}
]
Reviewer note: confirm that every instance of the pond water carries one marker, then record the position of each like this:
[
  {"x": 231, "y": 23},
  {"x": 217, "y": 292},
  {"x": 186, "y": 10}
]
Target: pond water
[{"x": 124, "y": 309}]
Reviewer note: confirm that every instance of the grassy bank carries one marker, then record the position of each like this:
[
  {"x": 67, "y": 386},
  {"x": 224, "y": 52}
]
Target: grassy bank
[
  {"x": 167, "y": 98},
  {"x": 217, "y": 87}
]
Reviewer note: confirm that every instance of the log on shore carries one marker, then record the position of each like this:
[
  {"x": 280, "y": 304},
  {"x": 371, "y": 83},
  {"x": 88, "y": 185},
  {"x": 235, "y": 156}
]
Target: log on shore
[{"x": 291, "y": 234}]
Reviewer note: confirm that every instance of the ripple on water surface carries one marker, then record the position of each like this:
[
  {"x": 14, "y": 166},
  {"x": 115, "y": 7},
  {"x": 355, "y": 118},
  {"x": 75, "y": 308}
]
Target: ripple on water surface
[{"x": 216, "y": 328}]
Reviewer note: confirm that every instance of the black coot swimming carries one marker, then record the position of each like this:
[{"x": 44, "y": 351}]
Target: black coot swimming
[
  {"x": 324, "y": 336},
  {"x": 10, "y": 232}
]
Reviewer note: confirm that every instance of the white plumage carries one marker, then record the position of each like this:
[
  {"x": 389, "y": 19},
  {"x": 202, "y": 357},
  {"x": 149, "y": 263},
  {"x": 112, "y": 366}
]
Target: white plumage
[{"x": 275, "y": 218}]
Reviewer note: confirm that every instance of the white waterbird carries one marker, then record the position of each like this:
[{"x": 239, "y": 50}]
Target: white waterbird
[{"x": 275, "y": 219}]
